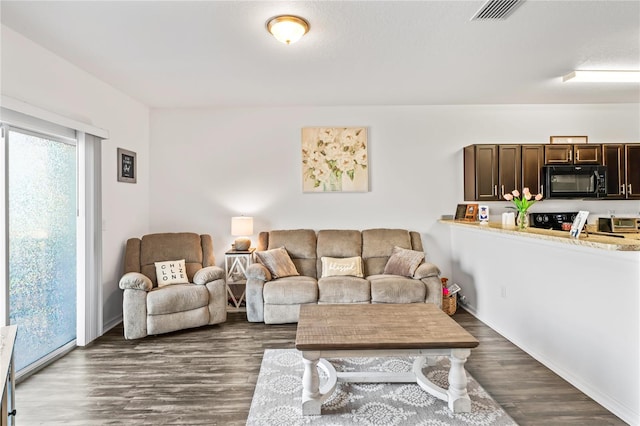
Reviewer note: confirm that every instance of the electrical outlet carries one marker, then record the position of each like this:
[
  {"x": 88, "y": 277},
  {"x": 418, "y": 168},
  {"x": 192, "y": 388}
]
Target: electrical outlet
[{"x": 503, "y": 292}]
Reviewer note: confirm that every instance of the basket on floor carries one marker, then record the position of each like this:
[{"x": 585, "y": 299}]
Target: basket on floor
[{"x": 449, "y": 304}]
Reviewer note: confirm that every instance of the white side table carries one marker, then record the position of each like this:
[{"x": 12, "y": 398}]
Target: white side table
[{"x": 236, "y": 263}]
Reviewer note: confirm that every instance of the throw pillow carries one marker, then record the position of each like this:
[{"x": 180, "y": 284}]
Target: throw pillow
[
  {"x": 171, "y": 272},
  {"x": 332, "y": 266},
  {"x": 403, "y": 262},
  {"x": 278, "y": 262}
]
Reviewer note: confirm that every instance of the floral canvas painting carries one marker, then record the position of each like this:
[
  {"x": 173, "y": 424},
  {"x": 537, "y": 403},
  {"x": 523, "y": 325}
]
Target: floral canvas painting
[{"x": 334, "y": 159}]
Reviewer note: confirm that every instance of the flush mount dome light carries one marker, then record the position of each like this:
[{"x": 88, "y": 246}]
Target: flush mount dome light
[{"x": 287, "y": 28}]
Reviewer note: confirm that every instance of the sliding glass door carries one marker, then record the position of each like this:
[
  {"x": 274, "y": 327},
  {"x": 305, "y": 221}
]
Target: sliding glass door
[{"x": 42, "y": 260}]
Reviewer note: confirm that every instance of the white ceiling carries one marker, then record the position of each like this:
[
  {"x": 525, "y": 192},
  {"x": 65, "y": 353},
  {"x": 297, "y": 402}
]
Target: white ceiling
[{"x": 218, "y": 53}]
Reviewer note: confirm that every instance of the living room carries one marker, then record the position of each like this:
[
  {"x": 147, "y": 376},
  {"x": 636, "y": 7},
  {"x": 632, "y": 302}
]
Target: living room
[{"x": 212, "y": 147}]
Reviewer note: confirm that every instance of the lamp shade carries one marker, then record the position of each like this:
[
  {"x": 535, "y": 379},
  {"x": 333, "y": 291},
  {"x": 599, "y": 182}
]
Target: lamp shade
[{"x": 241, "y": 226}]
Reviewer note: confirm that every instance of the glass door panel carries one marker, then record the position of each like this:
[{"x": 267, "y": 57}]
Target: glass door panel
[{"x": 42, "y": 203}]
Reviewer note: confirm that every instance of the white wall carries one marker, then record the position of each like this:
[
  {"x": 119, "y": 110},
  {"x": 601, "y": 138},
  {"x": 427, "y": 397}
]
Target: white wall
[
  {"x": 210, "y": 164},
  {"x": 36, "y": 76}
]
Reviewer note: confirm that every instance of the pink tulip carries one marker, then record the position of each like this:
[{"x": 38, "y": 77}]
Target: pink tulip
[
  {"x": 527, "y": 196},
  {"x": 515, "y": 193},
  {"x": 538, "y": 197},
  {"x": 525, "y": 191},
  {"x": 508, "y": 197}
]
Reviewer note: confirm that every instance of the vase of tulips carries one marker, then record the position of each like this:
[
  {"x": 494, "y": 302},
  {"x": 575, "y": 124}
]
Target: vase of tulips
[{"x": 522, "y": 202}]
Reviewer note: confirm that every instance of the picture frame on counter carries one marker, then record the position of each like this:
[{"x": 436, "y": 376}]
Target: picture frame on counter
[
  {"x": 467, "y": 212},
  {"x": 569, "y": 139}
]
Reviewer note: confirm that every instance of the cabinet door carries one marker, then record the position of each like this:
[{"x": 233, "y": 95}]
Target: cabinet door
[
  {"x": 486, "y": 172},
  {"x": 587, "y": 154},
  {"x": 509, "y": 168},
  {"x": 613, "y": 158},
  {"x": 558, "y": 154},
  {"x": 532, "y": 162},
  {"x": 633, "y": 171}
]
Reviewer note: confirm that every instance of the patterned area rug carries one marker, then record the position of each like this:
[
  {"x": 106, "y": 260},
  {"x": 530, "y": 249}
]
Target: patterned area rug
[{"x": 278, "y": 395}]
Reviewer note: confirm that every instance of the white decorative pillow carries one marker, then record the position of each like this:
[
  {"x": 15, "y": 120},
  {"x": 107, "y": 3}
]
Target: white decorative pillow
[
  {"x": 278, "y": 262},
  {"x": 332, "y": 266},
  {"x": 403, "y": 262},
  {"x": 171, "y": 272}
]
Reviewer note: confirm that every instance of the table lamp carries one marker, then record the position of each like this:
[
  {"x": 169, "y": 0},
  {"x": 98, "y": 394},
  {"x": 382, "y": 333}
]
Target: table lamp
[{"x": 242, "y": 227}]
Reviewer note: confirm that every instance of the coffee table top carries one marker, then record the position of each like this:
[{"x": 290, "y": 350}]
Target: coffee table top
[{"x": 379, "y": 326}]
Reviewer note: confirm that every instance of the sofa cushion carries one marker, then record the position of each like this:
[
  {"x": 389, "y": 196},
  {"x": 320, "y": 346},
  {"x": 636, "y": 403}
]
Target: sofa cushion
[
  {"x": 403, "y": 262},
  {"x": 396, "y": 289},
  {"x": 343, "y": 289},
  {"x": 377, "y": 245},
  {"x": 176, "y": 298},
  {"x": 291, "y": 291},
  {"x": 334, "y": 266},
  {"x": 171, "y": 272},
  {"x": 301, "y": 246},
  {"x": 278, "y": 262},
  {"x": 169, "y": 246}
]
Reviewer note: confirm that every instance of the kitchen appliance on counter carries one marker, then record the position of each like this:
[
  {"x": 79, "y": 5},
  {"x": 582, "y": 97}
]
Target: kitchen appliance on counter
[
  {"x": 552, "y": 220},
  {"x": 569, "y": 181},
  {"x": 619, "y": 224}
]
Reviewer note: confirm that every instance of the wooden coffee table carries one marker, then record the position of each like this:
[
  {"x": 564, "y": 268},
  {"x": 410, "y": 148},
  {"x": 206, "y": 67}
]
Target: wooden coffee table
[{"x": 343, "y": 331}]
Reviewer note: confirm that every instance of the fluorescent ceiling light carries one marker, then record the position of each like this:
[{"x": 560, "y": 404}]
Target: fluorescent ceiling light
[{"x": 602, "y": 77}]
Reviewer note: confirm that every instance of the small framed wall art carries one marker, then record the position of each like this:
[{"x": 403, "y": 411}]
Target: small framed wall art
[
  {"x": 127, "y": 166},
  {"x": 568, "y": 139}
]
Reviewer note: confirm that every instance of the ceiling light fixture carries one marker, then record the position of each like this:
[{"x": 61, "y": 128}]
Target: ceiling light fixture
[
  {"x": 602, "y": 77},
  {"x": 287, "y": 28}
]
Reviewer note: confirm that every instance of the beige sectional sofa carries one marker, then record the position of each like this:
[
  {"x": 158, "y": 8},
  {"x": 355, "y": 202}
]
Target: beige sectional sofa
[{"x": 275, "y": 300}]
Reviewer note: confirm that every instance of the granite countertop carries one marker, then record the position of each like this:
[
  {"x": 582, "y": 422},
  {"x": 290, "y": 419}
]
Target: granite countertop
[{"x": 588, "y": 240}]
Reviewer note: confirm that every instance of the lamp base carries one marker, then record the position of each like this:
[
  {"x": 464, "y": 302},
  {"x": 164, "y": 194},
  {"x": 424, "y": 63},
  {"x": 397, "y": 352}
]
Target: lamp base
[{"x": 242, "y": 244}]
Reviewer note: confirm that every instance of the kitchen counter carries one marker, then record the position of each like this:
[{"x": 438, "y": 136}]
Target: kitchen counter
[{"x": 603, "y": 242}]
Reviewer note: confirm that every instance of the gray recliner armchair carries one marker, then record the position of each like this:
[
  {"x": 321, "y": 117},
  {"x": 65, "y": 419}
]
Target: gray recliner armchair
[{"x": 149, "y": 309}]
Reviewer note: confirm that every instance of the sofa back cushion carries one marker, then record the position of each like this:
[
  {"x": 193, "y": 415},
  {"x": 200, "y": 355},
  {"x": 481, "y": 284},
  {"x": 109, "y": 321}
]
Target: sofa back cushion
[
  {"x": 171, "y": 246},
  {"x": 299, "y": 243},
  {"x": 338, "y": 243},
  {"x": 377, "y": 245}
]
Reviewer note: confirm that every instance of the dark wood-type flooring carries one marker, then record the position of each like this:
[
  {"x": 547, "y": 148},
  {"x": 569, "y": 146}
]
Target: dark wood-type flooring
[{"x": 207, "y": 376}]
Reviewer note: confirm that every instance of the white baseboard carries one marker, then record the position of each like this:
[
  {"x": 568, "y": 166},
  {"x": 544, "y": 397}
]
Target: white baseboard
[{"x": 111, "y": 323}]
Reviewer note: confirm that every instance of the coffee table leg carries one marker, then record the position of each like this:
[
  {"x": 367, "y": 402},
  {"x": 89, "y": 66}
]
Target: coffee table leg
[
  {"x": 311, "y": 397},
  {"x": 458, "y": 397}
]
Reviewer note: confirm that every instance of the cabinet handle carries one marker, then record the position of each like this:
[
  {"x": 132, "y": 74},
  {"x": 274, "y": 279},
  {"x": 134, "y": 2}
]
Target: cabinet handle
[
  {"x": 542, "y": 190},
  {"x": 570, "y": 155},
  {"x": 495, "y": 190},
  {"x": 577, "y": 155},
  {"x": 502, "y": 190},
  {"x": 622, "y": 189},
  {"x": 629, "y": 191}
]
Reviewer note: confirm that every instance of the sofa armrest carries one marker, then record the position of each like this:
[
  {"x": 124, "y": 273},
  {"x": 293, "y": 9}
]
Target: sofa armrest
[
  {"x": 434, "y": 290},
  {"x": 259, "y": 272},
  {"x": 208, "y": 274},
  {"x": 426, "y": 270},
  {"x": 135, "y": 281},
  {"x": 257, "y": 275}
]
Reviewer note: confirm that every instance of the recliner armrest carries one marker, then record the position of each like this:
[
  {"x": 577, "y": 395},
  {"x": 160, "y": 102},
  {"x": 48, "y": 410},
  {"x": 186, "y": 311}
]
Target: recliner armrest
[
  {"x": 135, "y": 281},
  {"x": 426, "y": 270},
  {"x": 258, "y": 272},
  {"x": 208, "y": 274}
]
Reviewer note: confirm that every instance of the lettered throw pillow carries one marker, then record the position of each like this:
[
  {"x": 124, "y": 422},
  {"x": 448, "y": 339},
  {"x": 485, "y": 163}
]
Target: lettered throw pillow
[
  {"x": 332, "y": 266},
  {"x": 403, "y": 262},
  {"x": 171, "y": 272},
  {"x": 278, "y": 262}
]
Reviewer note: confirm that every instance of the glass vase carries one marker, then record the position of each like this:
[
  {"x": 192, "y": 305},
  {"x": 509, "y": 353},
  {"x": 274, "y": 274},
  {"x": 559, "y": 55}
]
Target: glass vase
[{"x": 522, "y": 221}]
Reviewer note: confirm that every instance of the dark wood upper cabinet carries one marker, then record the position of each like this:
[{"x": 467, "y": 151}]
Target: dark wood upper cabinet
[
  {"x": 490, "y": 171},
  {"x": 532, "y": 163},
  {"x": 613, "y": 156},
  {"x": 632, "y": 171},
  {"x": 573, "y": 154}
]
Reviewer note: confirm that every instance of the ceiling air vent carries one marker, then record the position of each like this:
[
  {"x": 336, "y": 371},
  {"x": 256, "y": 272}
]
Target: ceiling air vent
[{"x": 496, "y": 9}]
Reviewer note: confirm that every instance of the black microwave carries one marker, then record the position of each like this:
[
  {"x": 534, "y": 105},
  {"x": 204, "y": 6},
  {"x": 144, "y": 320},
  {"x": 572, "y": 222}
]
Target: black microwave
[{"x": 572, "y": 181}]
